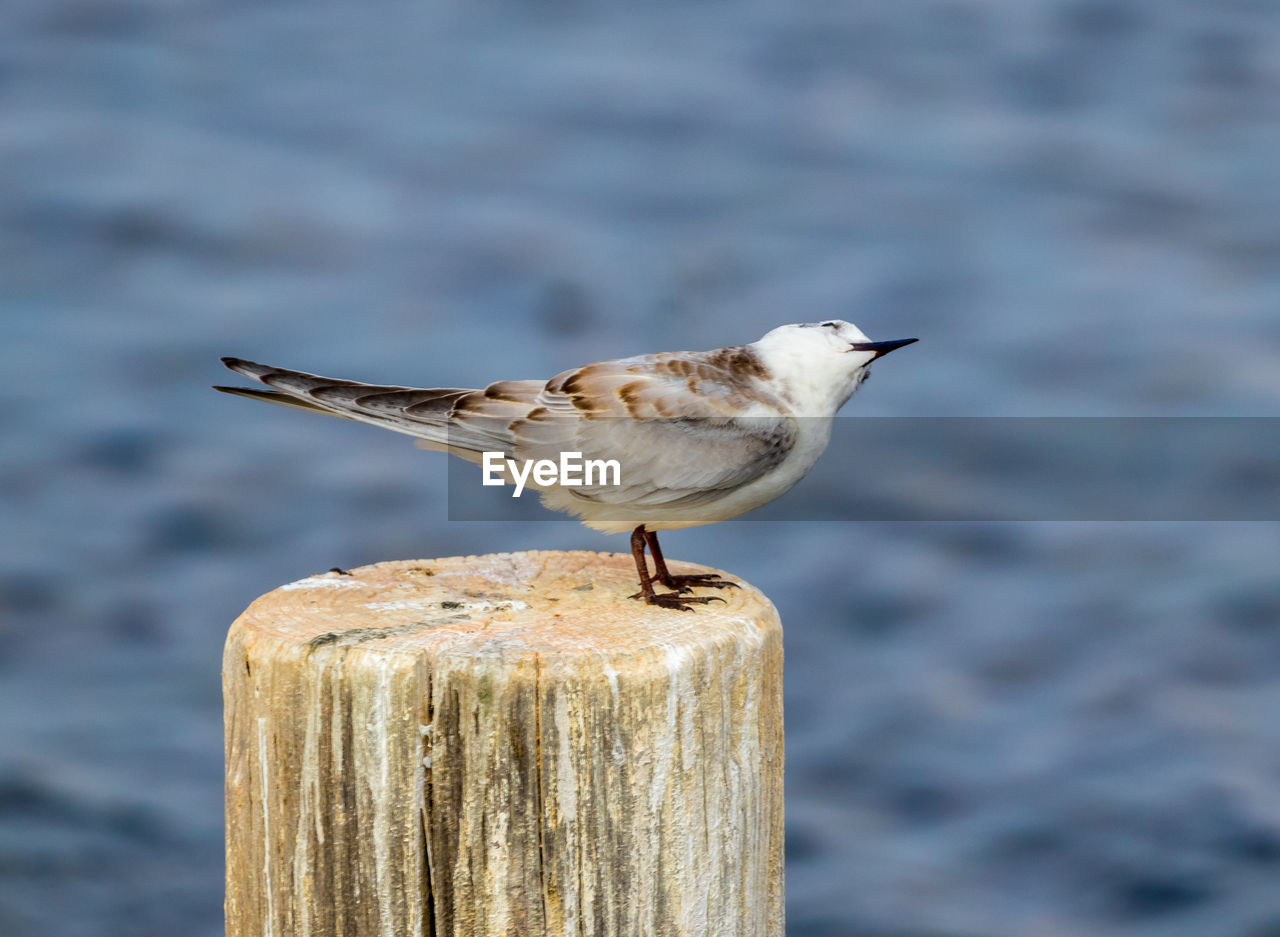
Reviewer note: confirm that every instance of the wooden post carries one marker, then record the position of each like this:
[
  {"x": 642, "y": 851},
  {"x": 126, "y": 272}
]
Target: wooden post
[{"x": 502, "y": 745}]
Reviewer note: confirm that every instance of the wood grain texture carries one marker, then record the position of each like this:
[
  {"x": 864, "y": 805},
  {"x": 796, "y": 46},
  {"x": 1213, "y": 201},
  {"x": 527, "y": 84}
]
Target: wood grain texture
[{"x": 503, "y": 745}]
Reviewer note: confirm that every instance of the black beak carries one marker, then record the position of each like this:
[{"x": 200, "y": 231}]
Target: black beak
[{"x": 881, "y": 348}]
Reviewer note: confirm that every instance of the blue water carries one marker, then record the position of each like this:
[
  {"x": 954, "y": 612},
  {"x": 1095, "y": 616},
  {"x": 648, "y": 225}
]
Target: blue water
[{"x": 1060, "y": 730}]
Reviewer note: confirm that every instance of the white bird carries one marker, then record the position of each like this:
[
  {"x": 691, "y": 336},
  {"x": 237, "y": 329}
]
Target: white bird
[{"x": 699, "y": 436}]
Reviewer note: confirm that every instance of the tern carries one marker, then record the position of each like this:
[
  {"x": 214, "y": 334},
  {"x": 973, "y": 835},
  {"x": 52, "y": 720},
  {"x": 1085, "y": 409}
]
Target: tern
[{"x": 698, "y": 436}]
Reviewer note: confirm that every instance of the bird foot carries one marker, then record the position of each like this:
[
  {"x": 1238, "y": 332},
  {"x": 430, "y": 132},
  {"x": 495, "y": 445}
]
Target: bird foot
[
  {"x": 676, "y": 600},
  {"x": 702, "y": 580}
]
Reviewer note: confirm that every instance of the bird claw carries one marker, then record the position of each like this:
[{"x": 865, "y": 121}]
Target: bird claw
[
  {"x": 686, "y": 583},
  {"x": 681, "y": 602}
]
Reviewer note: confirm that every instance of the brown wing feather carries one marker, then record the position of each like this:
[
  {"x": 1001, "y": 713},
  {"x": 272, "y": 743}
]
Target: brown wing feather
[{"x": 685, "y": 427}]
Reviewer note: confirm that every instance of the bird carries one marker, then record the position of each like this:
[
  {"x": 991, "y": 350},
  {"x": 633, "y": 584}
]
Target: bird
[{"x": 697, "y": 436}]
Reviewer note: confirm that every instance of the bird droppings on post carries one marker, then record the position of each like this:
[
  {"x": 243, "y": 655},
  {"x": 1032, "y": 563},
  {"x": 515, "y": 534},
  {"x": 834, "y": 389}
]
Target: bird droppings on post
[
  {"x": 360, "y": 635},
  {"x": 322, "y": 582}
]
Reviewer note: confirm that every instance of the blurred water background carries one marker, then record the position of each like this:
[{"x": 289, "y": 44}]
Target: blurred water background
[{"x": 994, "y": 730}]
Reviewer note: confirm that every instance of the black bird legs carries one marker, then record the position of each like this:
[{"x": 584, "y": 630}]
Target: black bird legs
[{"x": 679, "y": 584}]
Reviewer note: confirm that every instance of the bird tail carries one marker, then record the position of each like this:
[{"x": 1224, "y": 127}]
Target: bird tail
[
  {"x": 273, "y": 396},
  {"x": 420, "y": 412}
]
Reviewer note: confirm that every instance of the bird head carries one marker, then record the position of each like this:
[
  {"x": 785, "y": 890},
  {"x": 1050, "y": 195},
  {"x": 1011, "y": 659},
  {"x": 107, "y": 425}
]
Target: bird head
[{"x": 822, "y": 362}]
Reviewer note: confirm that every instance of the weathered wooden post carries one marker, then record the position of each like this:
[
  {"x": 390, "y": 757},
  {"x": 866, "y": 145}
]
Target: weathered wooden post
[{"x": 502, "y": 745}]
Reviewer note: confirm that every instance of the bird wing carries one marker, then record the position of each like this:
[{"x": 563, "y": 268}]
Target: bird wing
[{"x": 684, "y": 427}]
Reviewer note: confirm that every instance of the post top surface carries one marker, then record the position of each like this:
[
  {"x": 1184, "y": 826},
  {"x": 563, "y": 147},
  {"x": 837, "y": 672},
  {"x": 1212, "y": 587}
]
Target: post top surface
[{"x": 499, "y": 605}]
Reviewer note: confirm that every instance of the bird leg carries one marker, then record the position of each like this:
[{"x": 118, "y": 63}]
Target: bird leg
[
  {"x": 663, "y": 599},
  {"x": 680, "y": 583}
]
